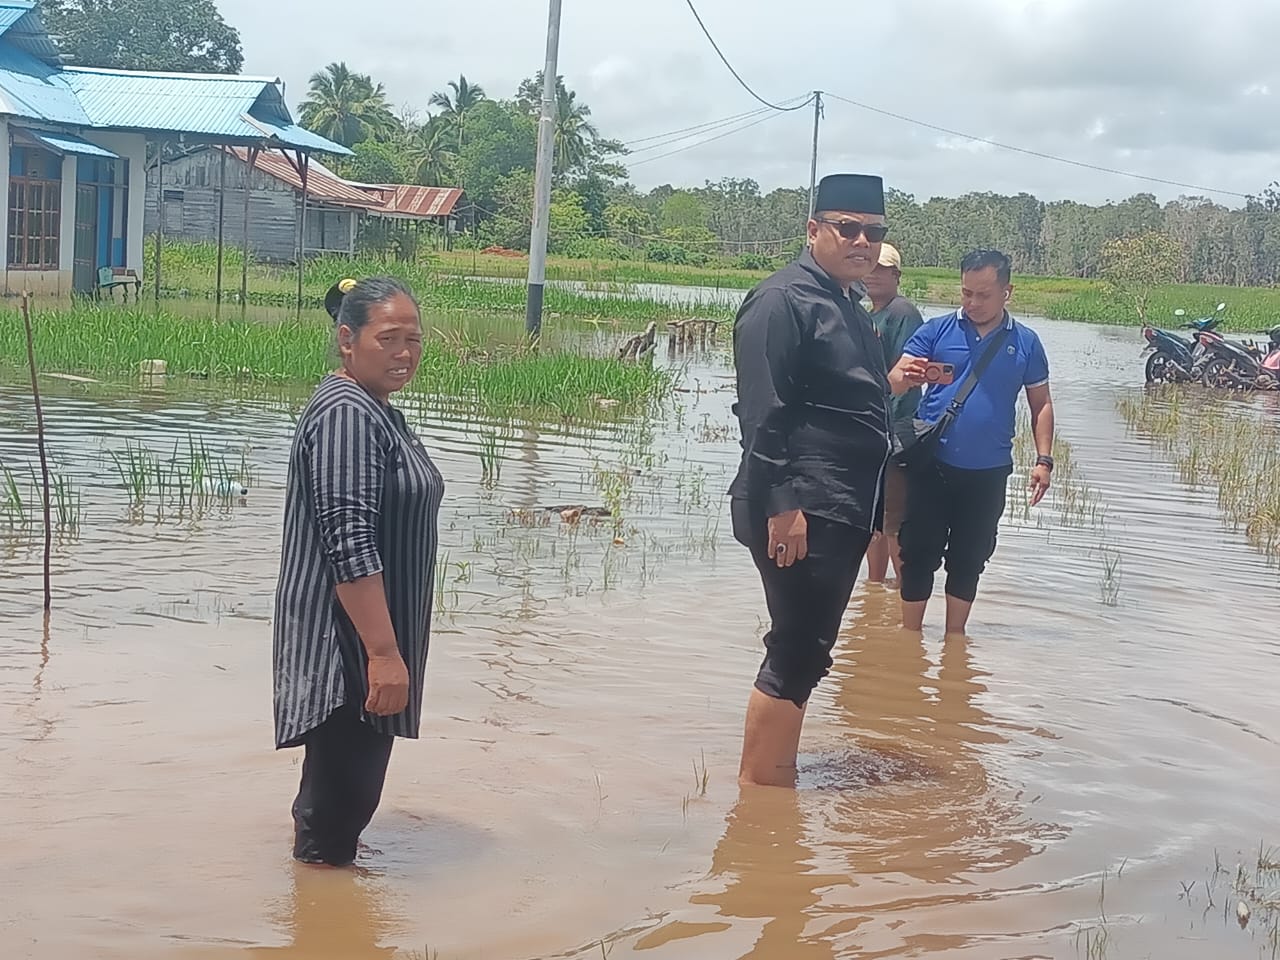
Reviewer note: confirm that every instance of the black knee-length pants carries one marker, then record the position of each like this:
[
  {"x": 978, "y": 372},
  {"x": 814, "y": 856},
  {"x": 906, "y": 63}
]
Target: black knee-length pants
[
  {"x": 343, "y": 770},
  {"x": 806, "y": 600},
  {"x": 951, "y": 513}
]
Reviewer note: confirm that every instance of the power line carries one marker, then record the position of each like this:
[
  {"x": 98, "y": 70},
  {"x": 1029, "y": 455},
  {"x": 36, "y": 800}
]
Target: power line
[
  {"x": 702, "y": 127},
  {"x": 694, "y": 127},
  {"x": 706, "y": 129},
  {"x": 1034, "y": 153},
  {"x": 719, "y": 136},
  {"x": 725, "y": 61}
]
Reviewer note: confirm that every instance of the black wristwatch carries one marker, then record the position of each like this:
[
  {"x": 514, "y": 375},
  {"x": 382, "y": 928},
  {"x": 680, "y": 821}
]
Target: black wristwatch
[{"x": 1045, "y": 461}]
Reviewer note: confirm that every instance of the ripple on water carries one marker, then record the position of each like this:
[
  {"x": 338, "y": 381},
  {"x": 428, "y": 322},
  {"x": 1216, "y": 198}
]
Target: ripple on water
[{"x": 957, "y": 800}]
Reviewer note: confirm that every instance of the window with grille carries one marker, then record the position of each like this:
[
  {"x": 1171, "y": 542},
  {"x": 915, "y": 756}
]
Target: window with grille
[{"x": 35, "y": 210}]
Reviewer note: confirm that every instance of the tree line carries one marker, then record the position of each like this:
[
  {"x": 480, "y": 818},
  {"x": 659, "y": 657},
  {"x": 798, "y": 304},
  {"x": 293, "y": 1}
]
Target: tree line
[{"x": 463, "y": 137}]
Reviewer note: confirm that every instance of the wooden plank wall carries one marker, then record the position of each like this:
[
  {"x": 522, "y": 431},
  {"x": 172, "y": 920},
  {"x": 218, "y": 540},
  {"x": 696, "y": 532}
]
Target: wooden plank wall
[{"x": 191, "y": 210}]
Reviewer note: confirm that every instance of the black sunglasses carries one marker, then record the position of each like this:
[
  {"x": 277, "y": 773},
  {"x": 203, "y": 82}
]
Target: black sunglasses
[{"x": 852, "y": 229}]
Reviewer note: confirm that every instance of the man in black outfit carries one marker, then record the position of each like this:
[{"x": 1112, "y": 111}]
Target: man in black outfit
[{"x": 812, "y": 390}]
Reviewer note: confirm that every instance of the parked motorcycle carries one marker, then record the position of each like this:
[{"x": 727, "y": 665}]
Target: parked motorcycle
[
  {"x": 1176, "y": 359},
  {"x": 1241, "y": 366}
]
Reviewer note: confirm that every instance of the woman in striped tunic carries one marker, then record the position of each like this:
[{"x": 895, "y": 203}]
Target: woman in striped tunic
[{"x": 353, "y": 603}]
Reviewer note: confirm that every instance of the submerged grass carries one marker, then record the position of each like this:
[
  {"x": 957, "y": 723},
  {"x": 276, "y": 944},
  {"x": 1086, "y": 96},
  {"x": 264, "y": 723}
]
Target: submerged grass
[
  {"x": 1218, "y": 445},
  {"x": 187, "y": 271},
  {"x": 1092, "y": 301},
  {"x": 1071, "y": 504},
  {"x": 21, "y": 503},
  {"x": 111, "y": 341},
  {"x": 188, "y": 481},
  {"x": 1074, "y": 501},
  {"x": 448, "y": 280}
]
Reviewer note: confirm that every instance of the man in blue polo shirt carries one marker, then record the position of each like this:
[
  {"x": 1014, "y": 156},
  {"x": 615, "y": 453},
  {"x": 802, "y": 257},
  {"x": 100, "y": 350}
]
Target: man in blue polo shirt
[{"x": 955, "y": 502}]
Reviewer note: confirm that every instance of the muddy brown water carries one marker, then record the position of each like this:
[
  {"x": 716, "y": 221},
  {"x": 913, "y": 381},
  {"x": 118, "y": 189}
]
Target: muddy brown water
[{"x": 958, "y": 799}]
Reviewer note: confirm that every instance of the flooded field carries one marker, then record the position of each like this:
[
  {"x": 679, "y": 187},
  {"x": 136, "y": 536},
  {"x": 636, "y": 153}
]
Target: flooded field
[{"x": 1093, "y": 773}]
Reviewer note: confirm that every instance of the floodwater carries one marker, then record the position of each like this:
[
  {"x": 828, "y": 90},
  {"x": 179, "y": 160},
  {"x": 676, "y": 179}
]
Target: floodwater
[{"x": 1064, "y": 783}]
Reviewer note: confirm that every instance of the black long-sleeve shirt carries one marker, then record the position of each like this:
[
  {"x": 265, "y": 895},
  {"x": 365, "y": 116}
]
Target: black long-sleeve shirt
[{"x": 812, "y": 399}]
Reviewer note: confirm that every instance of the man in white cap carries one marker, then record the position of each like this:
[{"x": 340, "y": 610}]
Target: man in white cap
[
  {"x": 896, "y": 319},
  {"x": 812, "y": 387}
]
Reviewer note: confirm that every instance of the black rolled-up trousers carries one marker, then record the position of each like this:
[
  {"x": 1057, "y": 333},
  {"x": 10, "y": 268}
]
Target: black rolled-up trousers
[
  {"x": 343, "y": 771},
  {"x": 953, "y": 514},
  {"x": 806, "y": 601}
]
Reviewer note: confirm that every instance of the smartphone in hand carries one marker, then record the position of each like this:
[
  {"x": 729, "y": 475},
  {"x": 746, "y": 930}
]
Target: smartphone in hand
[{"x": 940, "y": 373}]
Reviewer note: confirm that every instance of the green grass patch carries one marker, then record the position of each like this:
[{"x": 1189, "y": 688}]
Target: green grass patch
[
  {"x": 1091, "y": 301},
  {"x": 188, "y": 271},
  {"x": 456, "y": 280},
  {"x": 722, "y": 277},
  {"x": 109, "y": 341}
]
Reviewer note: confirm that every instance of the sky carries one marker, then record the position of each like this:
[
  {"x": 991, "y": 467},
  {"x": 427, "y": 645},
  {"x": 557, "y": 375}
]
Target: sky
[{"x": 1179, "y": 90}]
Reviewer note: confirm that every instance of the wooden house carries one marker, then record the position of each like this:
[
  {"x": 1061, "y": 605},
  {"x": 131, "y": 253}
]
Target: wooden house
[{"x": 185, "y": 193}]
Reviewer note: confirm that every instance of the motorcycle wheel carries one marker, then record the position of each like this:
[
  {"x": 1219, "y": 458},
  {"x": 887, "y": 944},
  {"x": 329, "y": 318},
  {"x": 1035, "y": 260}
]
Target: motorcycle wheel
[
  {"x": 1160, "y": 369},
  {"x": 1218, "y": 376}
]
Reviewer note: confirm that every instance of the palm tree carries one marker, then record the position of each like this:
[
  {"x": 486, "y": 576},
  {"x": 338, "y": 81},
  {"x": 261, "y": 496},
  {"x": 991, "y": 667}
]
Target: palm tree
[
  {"x": 575, "y": 135},
  {"x": 429, "y": 151},
  {"x": 347, "y": 107},
  {"x": 455, "y": 106}
]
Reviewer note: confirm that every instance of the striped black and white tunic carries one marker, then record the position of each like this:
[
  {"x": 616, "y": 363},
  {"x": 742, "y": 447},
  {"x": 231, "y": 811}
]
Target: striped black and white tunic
[{"x": 362, "y": 498}]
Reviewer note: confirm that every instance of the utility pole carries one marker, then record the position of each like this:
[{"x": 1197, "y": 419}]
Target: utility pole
[
  {"x": 542, "y": 185},
  {"x": 813, "y": 168}
]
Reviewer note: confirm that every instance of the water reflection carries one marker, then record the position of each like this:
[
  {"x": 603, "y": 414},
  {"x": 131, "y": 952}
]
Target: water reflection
[
  {"x": 911, "y": 837},
  {"x": 332, "y": 915},
  {"x": 901, "y": 817}
]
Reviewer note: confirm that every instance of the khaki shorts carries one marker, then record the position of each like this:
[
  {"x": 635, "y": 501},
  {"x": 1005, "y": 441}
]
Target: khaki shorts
[{"x": 895, "y": 498}]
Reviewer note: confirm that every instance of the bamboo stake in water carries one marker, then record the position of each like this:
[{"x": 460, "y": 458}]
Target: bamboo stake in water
[{"x": 44, "y": 461}]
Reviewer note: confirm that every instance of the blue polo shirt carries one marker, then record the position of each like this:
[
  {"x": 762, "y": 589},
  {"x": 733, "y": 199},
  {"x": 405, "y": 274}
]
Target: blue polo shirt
[{"x": 981, "y": 437}]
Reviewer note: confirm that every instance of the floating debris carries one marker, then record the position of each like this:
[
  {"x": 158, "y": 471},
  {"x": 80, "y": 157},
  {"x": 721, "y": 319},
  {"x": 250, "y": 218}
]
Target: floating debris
[
  {"x": 71, "y": 377},
  {"x": 225, "y": 487}
]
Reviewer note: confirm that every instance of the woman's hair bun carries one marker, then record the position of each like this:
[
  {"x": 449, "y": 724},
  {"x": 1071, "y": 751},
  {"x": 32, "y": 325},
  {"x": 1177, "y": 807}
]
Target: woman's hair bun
[{"x": 333, "y": 299}]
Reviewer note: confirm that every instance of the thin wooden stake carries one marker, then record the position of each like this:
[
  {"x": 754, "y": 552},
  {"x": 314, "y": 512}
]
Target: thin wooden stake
[{"x": 44, "y": 460}]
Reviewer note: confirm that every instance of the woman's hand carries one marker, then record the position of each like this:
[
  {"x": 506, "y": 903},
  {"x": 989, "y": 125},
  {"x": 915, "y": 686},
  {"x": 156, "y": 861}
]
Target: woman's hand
[
  {"x": 365, "y": 601},
  {"x": 388, "y": 686}
]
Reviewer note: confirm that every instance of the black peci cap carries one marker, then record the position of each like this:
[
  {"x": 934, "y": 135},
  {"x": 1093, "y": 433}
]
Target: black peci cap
[{"x": 851, "y": 193}]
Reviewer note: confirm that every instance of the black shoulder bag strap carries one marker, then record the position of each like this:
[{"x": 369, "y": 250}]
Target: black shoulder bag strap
[
  {"x": 921, "y": 452},
  {"x": 984, "y": 361}
]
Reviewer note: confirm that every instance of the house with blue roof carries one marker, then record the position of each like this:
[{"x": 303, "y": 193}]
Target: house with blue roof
[{"x": 73, "y": 151}]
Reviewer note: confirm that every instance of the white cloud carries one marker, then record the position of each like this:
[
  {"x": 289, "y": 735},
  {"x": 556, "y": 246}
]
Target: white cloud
[{"x": 1155, "y": 86}]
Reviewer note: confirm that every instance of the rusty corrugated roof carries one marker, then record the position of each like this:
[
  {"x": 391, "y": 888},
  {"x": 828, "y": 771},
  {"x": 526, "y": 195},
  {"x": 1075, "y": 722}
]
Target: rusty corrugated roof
[
  {"x": 417, "y": 201},
  {"x": 324, "y": 186}
]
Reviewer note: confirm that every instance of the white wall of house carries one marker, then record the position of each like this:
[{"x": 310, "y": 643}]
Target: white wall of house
[{"x": 130, "y": 146}]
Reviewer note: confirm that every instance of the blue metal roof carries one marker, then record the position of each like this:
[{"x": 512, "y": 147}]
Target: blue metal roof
[
  {"x": 210, "y": 105},
  {"x": 21, "y": 25},
  {"x": 68, "y": 143},
  {"x": 204, "y": 106},
  {"x": 292, "y": 135},
  {"x": 11, "y": 12},
  {"x": 31, "y": 88}
]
